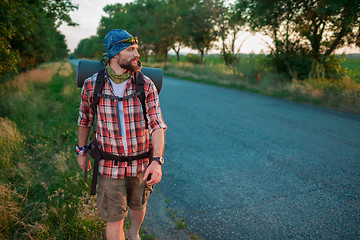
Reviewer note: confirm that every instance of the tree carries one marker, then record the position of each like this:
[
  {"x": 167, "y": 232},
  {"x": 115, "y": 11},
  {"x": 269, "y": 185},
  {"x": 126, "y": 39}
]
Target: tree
[
  {"x": 200, "y": 22},
  {"x": 122, "y": 17},
  {"x": 118, "y": 17},
  {"x": 304, "y": 30},
  {"x": 229, "y": 25},
  {"x": 166, "y": 16},
  {"x": 89, "y": 48},
  {"x": 29, "y": 33},
  {"x": 156, "y": 23}
]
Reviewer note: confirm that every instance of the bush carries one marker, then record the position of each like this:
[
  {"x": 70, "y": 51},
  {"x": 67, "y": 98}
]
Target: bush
[
  {"x": 195, "y": 59},
  {"x": 294, "y": 66}
]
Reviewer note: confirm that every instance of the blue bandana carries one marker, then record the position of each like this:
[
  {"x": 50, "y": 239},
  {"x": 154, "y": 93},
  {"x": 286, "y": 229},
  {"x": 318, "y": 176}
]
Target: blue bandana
[{"x": 116, "y": 35}]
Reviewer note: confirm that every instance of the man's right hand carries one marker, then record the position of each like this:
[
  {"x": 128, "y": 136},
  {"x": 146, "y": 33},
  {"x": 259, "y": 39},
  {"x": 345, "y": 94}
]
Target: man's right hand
[{"x": 82, "y": 161}]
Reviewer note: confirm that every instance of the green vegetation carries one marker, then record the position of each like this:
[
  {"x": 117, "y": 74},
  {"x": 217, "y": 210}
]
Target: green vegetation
[
  {"x": 305, "y": 34},
  {"x": 181, "y": 224},
  {"x": 352, "y": 68},
  {"x": 301, "y": 65},
  {"x": 42, "y": 190},
  {"x": 29, "y": 34},
  {"x": 254, "y": 73},
  {"x": 194, "y": 237}
]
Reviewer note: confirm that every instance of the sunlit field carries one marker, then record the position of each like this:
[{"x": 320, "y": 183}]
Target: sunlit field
[{"x": 251, "y": 72}]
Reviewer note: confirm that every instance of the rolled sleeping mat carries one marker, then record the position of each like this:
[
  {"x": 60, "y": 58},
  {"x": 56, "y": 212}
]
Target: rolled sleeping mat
[{"x": 87, "y": 68}]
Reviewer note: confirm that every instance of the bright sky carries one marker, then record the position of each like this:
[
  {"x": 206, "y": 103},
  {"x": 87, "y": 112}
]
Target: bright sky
[{"x": 89, "y": 14}]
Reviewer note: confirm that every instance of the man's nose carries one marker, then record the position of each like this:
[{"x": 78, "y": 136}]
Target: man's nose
[{"x": 136, "y": 54}]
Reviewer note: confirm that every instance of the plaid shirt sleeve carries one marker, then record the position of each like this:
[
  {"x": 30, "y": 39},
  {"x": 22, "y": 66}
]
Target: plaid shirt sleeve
[
  {"x": 86, "y": 112},
  {"x": 154, "y": 116}
]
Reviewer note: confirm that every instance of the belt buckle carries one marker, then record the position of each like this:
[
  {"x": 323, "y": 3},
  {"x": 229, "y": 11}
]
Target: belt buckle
[{"x": 129, "y": 160}]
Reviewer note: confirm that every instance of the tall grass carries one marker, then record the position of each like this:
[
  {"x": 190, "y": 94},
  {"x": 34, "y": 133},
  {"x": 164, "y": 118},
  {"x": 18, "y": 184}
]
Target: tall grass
[
  {"x": 42, "y": 193},
  {"x": 341, "y": 93},
  {"x": 253, "y": 73}
]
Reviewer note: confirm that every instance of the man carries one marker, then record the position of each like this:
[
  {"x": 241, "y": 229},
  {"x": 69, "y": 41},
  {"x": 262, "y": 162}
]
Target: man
[{"x": 121, "y": 131}]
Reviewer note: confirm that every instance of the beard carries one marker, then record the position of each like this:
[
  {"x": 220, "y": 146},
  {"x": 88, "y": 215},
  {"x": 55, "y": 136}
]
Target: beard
[{"x": 129, "y": 65}]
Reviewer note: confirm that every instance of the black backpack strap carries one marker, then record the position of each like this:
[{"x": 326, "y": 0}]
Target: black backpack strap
[
  {"x": 140, "y": 82},
  {"x": 99, "y": 85},
  {"x": 140, "y": 92}
]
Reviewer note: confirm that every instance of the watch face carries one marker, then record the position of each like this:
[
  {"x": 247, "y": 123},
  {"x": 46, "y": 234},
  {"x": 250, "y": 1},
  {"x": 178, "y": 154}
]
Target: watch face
[{"x": 160, "y": 160}]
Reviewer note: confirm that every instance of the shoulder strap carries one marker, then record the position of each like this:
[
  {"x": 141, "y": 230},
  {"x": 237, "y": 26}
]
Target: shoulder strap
[
  {"x": 140, "y": 92},
  {"x": 140, "y": 82},
  {"x": 99, "y": 85}
]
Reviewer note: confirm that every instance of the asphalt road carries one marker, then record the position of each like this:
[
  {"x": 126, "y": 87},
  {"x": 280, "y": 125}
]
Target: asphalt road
[{"x": 244, "y": 166}]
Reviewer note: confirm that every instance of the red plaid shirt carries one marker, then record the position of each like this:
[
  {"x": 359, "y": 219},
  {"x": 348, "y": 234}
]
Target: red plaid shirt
[{"x": 108, "y": 134}]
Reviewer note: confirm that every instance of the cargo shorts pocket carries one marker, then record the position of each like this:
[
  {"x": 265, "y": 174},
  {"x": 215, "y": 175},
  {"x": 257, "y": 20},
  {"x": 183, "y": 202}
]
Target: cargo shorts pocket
[
  {"x": 111, "y": 202},
  {"x": 148, "y": 190}
]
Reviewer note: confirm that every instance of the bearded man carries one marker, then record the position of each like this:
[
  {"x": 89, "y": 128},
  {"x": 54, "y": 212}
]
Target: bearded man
[{"x": 123, "y": 132}]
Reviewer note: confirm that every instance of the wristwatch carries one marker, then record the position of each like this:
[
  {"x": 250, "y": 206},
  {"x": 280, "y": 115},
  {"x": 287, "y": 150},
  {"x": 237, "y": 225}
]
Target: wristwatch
[{"x": 160, "y": 160}]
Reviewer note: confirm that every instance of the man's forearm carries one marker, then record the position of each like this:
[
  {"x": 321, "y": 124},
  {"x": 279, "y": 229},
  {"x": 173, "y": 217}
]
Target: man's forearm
[
  {"x": 83, "y": 134},
  {"x": 158, "y": 142}
]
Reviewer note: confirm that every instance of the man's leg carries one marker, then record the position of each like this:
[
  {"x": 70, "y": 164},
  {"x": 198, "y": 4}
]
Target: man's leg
[
  {"x": 136, "y": 217},
  {"x": 115, "y": 230},
  {"x": 138, "y": 194},
  {"x": 112, "y": 206}
]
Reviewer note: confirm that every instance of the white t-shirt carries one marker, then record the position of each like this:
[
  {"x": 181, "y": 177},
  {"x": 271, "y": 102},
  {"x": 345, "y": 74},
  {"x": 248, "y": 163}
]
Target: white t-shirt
[{"x": 119, "y": 90}]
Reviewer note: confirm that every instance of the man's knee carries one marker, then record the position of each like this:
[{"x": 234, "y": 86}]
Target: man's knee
[
  {"x": 115, "y": 224},
  {"x": 115, "y": 230}
]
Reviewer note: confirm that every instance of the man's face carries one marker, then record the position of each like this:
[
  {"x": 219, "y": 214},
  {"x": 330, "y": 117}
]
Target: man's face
[{"x": 129, "y": 57}]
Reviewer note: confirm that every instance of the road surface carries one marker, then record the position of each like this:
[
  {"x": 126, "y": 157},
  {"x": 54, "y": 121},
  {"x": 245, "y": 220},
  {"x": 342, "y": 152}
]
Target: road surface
[{"x": 244, "y": 166}]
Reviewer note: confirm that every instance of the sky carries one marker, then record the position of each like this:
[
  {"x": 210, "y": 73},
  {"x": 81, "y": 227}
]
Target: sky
[{"x": 90, "y": 12}]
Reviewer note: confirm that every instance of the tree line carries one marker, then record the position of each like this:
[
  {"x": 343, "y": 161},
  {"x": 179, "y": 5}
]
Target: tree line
[
  {"x": 305, "y": 33},
  {"x": 29, "y": 33}
]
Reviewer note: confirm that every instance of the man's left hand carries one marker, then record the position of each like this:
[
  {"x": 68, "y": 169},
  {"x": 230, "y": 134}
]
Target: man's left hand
[{"x": 154, "y": 170}]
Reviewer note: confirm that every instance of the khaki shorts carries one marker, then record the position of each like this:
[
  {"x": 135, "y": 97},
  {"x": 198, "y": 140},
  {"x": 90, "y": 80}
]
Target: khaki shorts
[{"x": 116, "y": 195}]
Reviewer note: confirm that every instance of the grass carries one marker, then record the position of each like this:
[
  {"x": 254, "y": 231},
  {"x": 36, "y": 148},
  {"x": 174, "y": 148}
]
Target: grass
[
  {"x": 194, "y": 237},
  {"x": 180, "y": 224},
  {"x": 42, "y": 188},
  {"x": 251, "y": 74},
  {"x": 353, "y": 68}
]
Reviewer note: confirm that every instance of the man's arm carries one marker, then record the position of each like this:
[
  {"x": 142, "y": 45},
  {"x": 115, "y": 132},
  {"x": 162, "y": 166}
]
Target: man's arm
[
  {"x": 158, "y": 144},
  {"x": 83, "y": 134}
]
